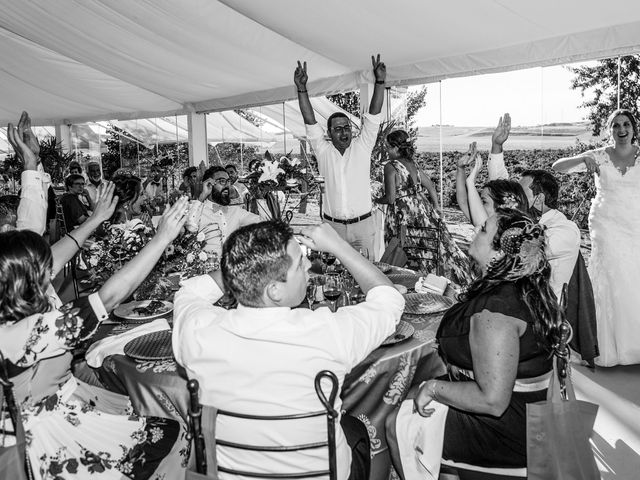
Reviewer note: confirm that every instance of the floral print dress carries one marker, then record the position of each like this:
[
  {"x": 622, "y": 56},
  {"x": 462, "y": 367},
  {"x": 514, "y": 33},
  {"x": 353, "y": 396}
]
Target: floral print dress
[
  {"x": 68, "y": 436},
  {"x": 413, "y": 220}
]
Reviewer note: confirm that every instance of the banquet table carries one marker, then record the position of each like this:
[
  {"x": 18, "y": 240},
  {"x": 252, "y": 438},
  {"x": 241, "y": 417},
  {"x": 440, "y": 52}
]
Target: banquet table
[{"x": 371, "y": 391}]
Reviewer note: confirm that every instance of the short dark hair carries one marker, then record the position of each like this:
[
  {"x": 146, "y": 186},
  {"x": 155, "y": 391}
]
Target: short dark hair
[
  {"x": 74, "y": 177},
  {"x": 9, "y": 211},
  {"x": 25, "y": 263},
  {"x": 334, "y": 116},
  {"x": 544, "y": 182},
  {"x": 208, "y": 173},
  {"x": 188, "y": 171},
  {"x": 127, "y": 188},
  {"x": 231, "y": 165},
  {"x": 253, "y": 256},
  {"x": 75, "y": 164}
]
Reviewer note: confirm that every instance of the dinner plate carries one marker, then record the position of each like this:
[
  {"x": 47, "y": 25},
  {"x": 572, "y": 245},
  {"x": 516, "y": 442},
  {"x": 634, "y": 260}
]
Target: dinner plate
[
  {"x": 426, "y": 303},
  {"x": 140, "y": 311},
  {"x": 383, "y": 267},
  {"x": 404, "y": 331},
  {"x": 152, "y": 346}
]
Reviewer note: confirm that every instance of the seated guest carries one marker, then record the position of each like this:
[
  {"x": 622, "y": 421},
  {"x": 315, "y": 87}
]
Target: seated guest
[
  {"x": 217, "y": 218},
  {"x": 496, "y": 344},
  {"x": 128, "y": 189},
  {"x": 238, "y": 191},
  {"x": 189, "y": 183},
  {"x": 95, "y": 180},
  {"x": 74, "y": 210},
  {"x": 71, "y": 434},
  {"x": 265, "y": 270}
]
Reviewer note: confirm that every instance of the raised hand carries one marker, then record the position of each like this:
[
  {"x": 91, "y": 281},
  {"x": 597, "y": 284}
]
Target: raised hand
[
  {"x": 300, "y": 76},
  {"x": 207, "y": 188},
  {"x": 467, "y": 157},
  {"x": 477, "y": 166},
  {"x": 105, "y": 202},
  {"x": 322, "y": 238},
  {"x": 501, "y": 133},
  {"x": 173, "y": 220},
  {"x": 379, "y": 69},
  {"x": 27, "y": 134},
  {"x": 22, "y": 150}
]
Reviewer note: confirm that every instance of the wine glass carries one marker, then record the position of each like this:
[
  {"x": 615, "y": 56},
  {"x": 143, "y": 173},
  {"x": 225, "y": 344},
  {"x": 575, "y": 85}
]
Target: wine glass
[
  {"x": 311, "y": 293},
  {"x": 329, "y": 259},
  {"x": 332, "y": 289}
]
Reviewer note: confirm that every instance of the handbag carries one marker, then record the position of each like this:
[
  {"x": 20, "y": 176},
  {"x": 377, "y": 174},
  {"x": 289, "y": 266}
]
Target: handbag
[
  {"x": 558, "y": 430},
  {"x": 13, "y": 459}
]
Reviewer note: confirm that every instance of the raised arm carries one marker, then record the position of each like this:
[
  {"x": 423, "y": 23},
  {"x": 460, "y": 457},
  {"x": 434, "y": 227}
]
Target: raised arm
[
  {"x": 389, "y": 185},
  {"x": 380, "y": 74},
  {"x": 300, "y": 79},
  {"x": 495, "y": 166},
  {"x": 124, "y": 282},
  {"x": 428, "y": 185},
  {"x": 461, "y": 178},
  {"x": 476, "y": 209},
  {"x": 578, "y": 163}
]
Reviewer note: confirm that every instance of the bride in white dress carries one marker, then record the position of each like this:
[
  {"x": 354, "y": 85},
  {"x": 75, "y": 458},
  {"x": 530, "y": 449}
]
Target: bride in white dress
[{"x": 614, "y": 225}]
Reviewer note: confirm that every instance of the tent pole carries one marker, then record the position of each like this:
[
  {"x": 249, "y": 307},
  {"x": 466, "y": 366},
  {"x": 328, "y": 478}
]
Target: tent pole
[
  {"x": 619, "y": 61},
  {"x": 284, "y": 129},
  {"x": 241, "y": 147},
  {"x": 441, "y": 174},
  {"x": 177, "y": 150},
  {"x": 542, "y": 104}
]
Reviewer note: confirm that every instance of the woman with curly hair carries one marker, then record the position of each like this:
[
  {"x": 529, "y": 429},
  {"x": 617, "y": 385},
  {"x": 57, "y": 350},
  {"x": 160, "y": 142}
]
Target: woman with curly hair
[
  {"x": 410, "y": 212},
  {"x": 76, "y": 431},
  {"x": 497, "y": 345}
]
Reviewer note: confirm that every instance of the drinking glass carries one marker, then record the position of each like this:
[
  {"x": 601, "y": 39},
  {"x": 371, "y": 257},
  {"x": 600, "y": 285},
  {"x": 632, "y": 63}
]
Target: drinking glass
[
  {"x": 311, "y": 293},
  {"x": 332, "y": 289},
  {"x": 329, "y": 260}
]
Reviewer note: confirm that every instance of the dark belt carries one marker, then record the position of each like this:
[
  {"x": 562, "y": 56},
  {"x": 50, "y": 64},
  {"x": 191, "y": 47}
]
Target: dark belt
[{"x": 347, "y": 221}]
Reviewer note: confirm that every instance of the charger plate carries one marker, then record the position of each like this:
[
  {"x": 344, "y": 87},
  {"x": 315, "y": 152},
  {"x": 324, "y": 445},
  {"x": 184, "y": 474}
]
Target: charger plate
[
  {"x": 426, "y": 303},
  {"x": 404, "y": 331},
  {"x": 134, "y": 311},
  {"x": 152, "y": 346},
  {"x": 407, "y": 279}
]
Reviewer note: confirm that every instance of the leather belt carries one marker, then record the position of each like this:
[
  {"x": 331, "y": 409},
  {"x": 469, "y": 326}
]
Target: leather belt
[{"x": 347, "y": 221}]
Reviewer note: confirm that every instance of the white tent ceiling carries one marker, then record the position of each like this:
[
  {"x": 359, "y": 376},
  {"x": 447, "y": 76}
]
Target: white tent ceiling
[{"x": 79, "y": 60}]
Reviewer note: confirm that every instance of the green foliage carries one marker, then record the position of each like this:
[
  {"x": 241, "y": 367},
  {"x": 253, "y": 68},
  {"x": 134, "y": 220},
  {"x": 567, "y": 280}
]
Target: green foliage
[
  {"x": 602, "y": 81},
  {"x": 349, "y": 101},
  {"x": 415, "y": 101},
  {"x": 238, "y": 154},
  {"x": 54, "y": 162}
]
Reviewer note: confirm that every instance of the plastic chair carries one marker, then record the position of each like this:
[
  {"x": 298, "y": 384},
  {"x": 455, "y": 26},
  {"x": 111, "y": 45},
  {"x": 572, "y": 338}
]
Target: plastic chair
[{"x": 206, "y": 461}]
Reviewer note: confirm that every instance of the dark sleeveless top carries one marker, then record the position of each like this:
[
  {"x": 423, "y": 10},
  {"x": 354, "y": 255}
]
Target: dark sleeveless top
[{"x": 453, "y": 333}]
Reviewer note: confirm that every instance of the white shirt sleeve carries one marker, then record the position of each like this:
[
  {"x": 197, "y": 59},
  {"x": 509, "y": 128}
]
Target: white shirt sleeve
[
  {"x": 360, "y": 329},
  {"x": 32, "y": 209},
  {"x": 370, "y": 127},
  {"x": 193, "y": 305},
  {"x": 496, "y": 168},
  {"x": 315, "y": 135}
]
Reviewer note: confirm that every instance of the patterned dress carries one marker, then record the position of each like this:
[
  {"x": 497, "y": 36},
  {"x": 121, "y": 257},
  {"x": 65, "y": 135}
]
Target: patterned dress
[
  {"x": 69, "y": 433},
  {"x": 413, "y": 220}
]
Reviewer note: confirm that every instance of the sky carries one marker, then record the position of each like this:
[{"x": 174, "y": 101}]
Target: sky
[{"x": 532, "y": 96}]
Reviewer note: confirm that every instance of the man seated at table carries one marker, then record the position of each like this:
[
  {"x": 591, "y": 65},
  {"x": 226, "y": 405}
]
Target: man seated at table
[
  {"x": 238, "y": 191},
  {"x": 216, "y": 217},
  {"x": 262, "y": 357}
]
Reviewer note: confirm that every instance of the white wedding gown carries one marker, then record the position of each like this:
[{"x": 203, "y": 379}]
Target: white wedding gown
[{"x": 614, "y": 267}]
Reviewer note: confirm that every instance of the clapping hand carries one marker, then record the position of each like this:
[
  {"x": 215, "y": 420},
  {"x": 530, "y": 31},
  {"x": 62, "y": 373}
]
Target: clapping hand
[
  {"x": 501, "y": 133},
  {"x": 24, "y": 142},
  {"x": 468, "y": 156},
  {"x": 105, "y": 202},
  {"x": 173, "y": 220},
  {"x": 379, "y": 69},
  {"x": 300, "y": 76}
]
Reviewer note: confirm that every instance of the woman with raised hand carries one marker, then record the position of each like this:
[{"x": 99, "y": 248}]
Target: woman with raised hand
[
  {"x": 496, "y": 344},
  {"x": 410, "y": 212},
  {"x": 614, "y": 227},
  {"x": 70, "y": 437}
]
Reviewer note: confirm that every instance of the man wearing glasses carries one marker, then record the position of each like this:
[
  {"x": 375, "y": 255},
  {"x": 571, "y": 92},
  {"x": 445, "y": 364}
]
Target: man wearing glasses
[
  {"x": 216, "y": 217},
  {"x": 345, "y": 162}
]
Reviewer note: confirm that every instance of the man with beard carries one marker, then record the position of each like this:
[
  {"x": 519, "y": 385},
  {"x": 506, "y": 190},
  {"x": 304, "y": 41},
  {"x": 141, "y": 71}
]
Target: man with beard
[
  {"x": 95, "y": 180},
  {"x": 541, "y": 188},
  {"x": 238, "y": 191},
  {"x": 218, "y": 218},
  {"x": 345, "y": 162}
]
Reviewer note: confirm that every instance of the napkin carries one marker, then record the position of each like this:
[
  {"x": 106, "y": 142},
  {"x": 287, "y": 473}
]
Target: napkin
[
  {"x": 431, "y": 284},
  {"x": 420, "y": 440},
  {"x": 114, "y": 344}
]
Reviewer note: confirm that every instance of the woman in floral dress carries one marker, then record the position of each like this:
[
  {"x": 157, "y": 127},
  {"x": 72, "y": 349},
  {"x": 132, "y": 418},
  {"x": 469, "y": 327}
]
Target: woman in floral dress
[
  {"x": 73, "y": 430},
  {"x": 410, "y": 213}
]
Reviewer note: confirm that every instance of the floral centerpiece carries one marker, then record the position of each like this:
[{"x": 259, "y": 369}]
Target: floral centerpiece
[
  {"x": 187, "y": 255},
  {"x": 273, "y": 175}
]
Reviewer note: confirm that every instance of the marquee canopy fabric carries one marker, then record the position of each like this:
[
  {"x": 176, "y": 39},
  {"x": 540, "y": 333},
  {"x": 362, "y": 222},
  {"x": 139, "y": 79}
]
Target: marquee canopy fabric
[{"x": 68, "y": 61}]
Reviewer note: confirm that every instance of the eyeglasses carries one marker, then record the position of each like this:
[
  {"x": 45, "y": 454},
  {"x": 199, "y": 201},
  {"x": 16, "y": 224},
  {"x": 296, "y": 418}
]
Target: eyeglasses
[
  {"x": 78, "y": 184},
  {"x": 221, "y": 181},
  {"x": 342, "y": 129}
]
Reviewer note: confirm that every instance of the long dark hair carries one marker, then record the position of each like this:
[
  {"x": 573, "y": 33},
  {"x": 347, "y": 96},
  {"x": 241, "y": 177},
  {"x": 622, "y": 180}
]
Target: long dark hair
[
  {"x": 521, "y": 259},
  {"x": 25, "y": 267},
  {"x": 401, "y": 139},
  {"x": 127, "y": 187},
  {"x": 507, "y": 193}
]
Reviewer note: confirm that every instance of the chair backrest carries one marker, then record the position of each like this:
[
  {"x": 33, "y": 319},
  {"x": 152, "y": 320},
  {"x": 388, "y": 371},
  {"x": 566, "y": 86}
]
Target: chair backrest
[
  {"x": 211, "y": 467},
  {"x": 561, "y": 350},
  {"x": 424, "y": 242}
]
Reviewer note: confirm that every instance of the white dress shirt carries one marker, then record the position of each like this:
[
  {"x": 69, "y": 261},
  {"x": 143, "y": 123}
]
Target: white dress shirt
[
  {"x": 563, "y": 235},
  {"x": 219, "y": 221},
  {"x": 92, "y": 190},
  {"x": 263, "y": 361},
  {"x": 347, "y": 177},
  {"x": 32, "y": 209}
]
